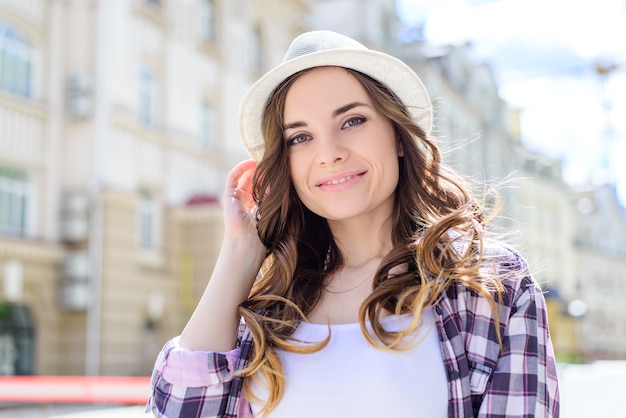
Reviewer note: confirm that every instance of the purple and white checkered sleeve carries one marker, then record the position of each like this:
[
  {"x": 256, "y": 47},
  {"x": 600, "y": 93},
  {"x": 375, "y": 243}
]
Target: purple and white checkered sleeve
[
  {"x": 525, "y": 381},
  {"x": 188, "y": 383}
]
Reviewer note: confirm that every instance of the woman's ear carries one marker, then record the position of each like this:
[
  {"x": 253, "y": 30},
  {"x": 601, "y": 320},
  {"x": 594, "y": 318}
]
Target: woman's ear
[{"x": 400, "y": 148}]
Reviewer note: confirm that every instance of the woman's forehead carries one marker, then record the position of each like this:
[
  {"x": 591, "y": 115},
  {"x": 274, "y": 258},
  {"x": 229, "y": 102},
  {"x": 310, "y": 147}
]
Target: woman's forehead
[{"x": 325, "y": 88}]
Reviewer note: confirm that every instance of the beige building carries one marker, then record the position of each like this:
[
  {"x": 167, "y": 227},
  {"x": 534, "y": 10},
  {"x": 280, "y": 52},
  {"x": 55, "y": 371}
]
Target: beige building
[
  {"x": 374, "y": 23},
  {"x": 479, "y": 135},
  {"x": 573, "y": 240},
  {"x": 117, "y": 129},
  {"x": 600, "y": 280}
]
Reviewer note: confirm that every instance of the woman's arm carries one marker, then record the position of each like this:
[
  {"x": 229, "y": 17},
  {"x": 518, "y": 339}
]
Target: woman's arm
[
  {"x": 213, "y": 324},
  {"x": 194, "y": 374},
  {"x": 194, "y": 384}
]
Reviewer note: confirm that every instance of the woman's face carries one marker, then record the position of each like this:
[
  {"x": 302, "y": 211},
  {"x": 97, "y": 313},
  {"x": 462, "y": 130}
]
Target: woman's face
[{"x": 343, "y": 155}]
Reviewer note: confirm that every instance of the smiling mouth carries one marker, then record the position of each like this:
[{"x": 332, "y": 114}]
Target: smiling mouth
[{"x": 337, "y": 181}]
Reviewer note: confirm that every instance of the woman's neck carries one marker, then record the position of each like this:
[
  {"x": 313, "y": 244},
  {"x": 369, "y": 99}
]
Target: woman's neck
[{"x": 362, "y": 241}]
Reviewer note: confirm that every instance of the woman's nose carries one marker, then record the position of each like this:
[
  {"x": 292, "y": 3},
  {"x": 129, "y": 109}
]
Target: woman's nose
[{"x": 330, "y": 150}]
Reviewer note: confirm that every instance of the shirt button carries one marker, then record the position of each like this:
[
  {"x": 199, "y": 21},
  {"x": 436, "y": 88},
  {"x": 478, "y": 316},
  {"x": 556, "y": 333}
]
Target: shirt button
[
  {"x": 453, "y": 375},
  {"x": 438, "y": 309}
]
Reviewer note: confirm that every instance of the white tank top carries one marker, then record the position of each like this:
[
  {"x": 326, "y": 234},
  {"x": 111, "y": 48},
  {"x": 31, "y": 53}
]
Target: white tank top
[{"x": 351, "y": 378}]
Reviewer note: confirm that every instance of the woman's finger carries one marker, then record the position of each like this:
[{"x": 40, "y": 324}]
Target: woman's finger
[
  {"x": 242, "y": 172},
  {"x": 239, "y": 184}
]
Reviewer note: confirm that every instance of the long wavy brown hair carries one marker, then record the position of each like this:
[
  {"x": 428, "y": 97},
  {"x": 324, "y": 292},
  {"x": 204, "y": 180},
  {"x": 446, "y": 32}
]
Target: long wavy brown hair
[{"x": 437, "y": 238}]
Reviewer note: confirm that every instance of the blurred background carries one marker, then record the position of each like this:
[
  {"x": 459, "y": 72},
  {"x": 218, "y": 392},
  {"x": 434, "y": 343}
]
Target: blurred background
[{"x": 118, "y": 124}]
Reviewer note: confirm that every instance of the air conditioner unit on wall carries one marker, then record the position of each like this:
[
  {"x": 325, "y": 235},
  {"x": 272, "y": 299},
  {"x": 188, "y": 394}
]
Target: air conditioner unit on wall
[
  {"x": 79, "y": 95},
  {"x": 74, "y": 286},
  {"x": 75, "y": 266},
  {"x": 74, "y": 296},
  {"x": 74, "y": 222}
]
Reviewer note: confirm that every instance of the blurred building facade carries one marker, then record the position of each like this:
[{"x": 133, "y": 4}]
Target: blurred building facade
[
  {"x": 118, "y": 126},
  {"x": 479, "y": 135},
  {"x": 600, "y": 281}
]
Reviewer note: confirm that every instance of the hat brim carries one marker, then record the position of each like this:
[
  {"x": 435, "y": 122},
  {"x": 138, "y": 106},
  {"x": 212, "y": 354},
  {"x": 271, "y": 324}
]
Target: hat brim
[{"x": 393, "y": 73}]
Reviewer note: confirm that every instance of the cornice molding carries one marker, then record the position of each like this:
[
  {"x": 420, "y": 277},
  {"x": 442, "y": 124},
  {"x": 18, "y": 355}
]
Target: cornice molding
[{"x": 30, "y": 250}]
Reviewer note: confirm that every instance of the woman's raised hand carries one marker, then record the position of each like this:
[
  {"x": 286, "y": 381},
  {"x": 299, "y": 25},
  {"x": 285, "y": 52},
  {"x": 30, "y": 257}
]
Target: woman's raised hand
[
  {"x": 213, "y": 325},
  {"x": 239, "y": 207}
]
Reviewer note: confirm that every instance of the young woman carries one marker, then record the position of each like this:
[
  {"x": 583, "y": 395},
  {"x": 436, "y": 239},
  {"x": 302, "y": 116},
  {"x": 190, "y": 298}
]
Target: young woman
[{"x": 356, "y": 277}]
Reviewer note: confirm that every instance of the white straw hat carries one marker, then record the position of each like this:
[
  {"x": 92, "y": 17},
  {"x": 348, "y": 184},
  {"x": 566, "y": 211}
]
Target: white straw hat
[{"x": 326, "y": 48}]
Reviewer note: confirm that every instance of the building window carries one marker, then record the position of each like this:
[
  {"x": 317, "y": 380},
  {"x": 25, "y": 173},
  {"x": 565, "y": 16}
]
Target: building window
[
  {"x": 206, "y": 125},
  {"x": 147, "y": 97},
  {"x": 149, "y": 221},
  {"x": 14, "y": 191},
  {"x": 16, "y": 62},
  {"x": 208, "y": 19}
]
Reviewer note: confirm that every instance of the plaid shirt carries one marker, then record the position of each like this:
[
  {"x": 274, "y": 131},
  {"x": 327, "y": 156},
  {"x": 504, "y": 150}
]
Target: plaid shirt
[{"x": 484, "y": 380}]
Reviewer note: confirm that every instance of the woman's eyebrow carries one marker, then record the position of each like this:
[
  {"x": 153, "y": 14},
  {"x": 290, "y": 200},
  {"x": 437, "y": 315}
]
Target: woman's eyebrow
[
  {"x": 337, "y": 112},
  {"x": 346, "y": 108},
  {"x": 293, "y": 125}
]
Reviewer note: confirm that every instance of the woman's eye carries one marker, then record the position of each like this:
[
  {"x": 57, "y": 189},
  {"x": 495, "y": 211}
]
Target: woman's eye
[
  {"x": 354, "y": 121},
  {"x": 298, "y": 139}
]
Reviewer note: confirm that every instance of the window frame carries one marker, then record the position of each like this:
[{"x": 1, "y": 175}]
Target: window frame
[
  {"x": 208, "y": 20},
  {"x": 207, "y": 125},
  {"x": 15, "y": 201},
  {"x": 148, "y": 221},
  {"x": 16, "y": 61},
  {"x": 148, "y": 96}
]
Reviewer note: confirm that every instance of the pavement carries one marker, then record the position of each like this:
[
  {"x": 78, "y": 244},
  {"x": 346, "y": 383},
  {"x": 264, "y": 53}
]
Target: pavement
[
  {"x": 587, "y": 390},
  {"x": 593, "y": 390},
  {"x": 71, "y": 411}
]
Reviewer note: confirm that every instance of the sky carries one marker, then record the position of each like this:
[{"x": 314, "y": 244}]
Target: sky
[{"x": 545, "y": 55}]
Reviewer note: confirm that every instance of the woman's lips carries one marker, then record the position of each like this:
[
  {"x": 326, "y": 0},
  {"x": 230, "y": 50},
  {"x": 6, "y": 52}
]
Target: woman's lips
[{"x": 340, "y": 182}]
